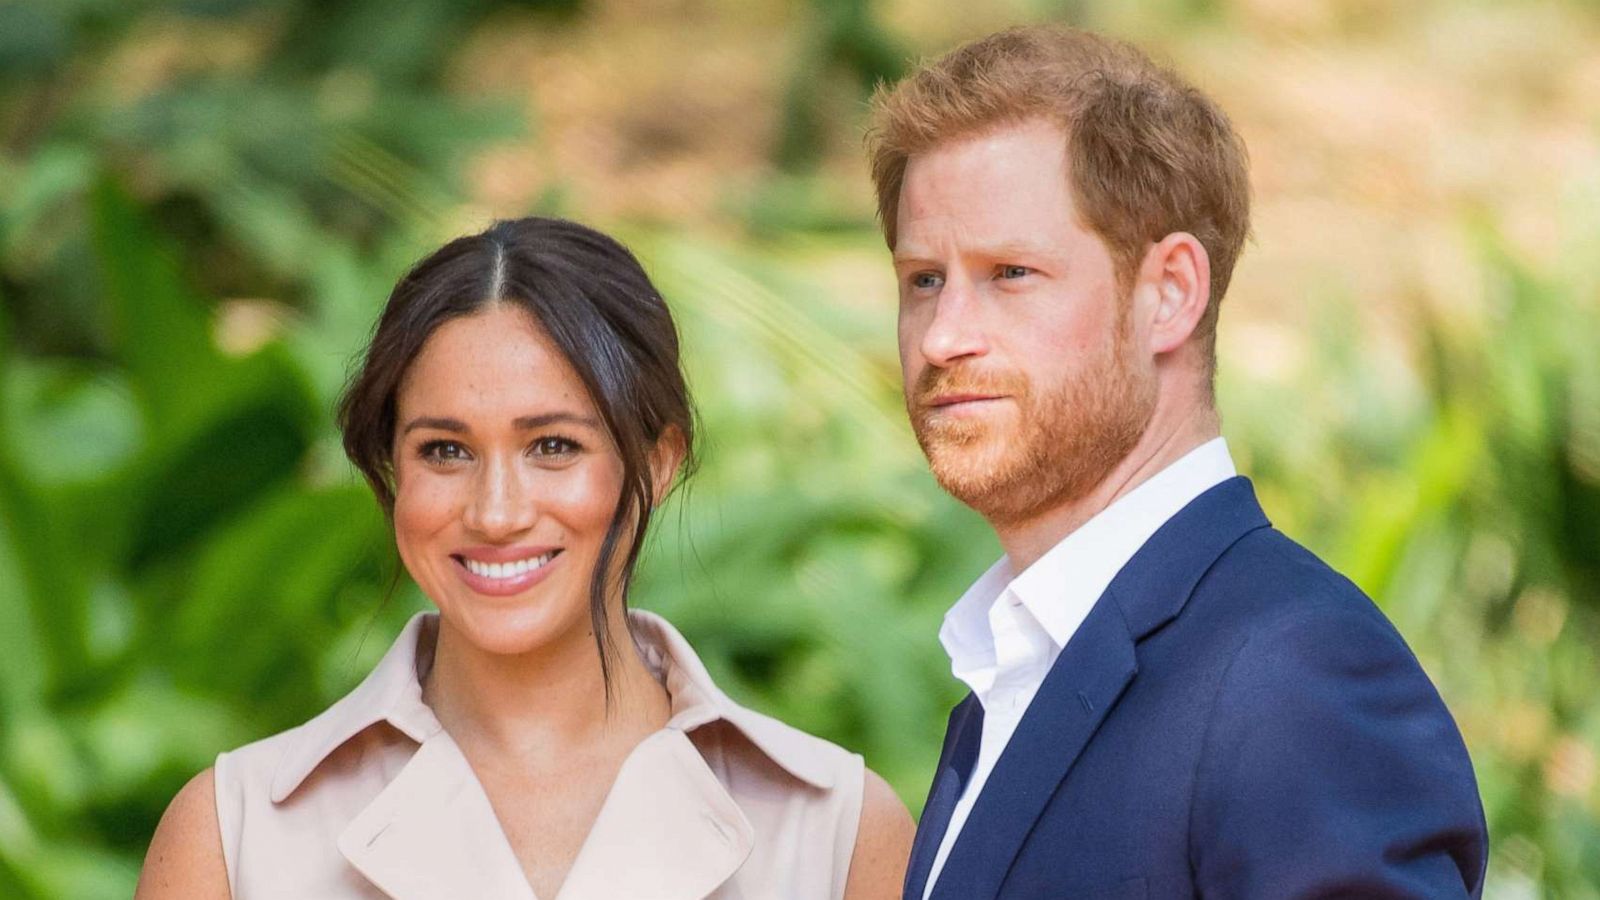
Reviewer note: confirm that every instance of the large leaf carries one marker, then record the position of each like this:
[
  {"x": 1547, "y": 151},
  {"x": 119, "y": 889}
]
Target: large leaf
[
  {"x": 161, "y": 330},
  {"x": 262, "y": 600},
  {"x": 251, "y": 436}
]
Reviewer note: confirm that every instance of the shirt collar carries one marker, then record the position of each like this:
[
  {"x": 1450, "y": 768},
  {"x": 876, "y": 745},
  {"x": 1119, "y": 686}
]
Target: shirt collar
[
  {"x": 966, "y": 634},
  {"x": 392, "y": 693},
  {"x": 1059, "y": 589}
]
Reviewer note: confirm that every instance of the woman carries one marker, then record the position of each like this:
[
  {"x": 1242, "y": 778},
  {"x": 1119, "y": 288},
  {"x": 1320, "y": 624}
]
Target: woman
[{"x": 519, "y": 414}]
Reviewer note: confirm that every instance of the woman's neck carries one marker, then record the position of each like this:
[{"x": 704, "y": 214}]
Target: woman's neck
[{"x": 545, "y": 702}]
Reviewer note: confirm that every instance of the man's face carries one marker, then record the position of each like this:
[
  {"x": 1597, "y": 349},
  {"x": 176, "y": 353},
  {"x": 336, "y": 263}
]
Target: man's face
[{"x": 1022, "y": 374}]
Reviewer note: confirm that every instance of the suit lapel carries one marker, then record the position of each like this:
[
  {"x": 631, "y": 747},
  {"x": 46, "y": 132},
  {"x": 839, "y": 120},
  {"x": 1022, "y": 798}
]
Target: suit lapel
[
  {"x": 431, "y": 833},
  {"x": 962, "y": 737},
  {"x": 1085, "y": 682}
]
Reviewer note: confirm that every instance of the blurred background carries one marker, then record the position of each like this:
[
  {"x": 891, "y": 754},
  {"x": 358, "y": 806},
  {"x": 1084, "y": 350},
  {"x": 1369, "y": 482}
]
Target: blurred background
[{"x": 204, "y": 204}]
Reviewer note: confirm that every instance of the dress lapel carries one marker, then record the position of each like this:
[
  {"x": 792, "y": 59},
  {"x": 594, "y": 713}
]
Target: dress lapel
[
  {"x": 1082, "y": 686},
  {"x": 668, "y": 829},
  {"x": 431, "y": 833}
]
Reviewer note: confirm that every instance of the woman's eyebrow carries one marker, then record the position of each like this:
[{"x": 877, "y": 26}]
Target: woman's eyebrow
[
  {"x": 521, "y": 423},
  {"x": 526, "y": 423},
  {"x": 455, "y": 425}
]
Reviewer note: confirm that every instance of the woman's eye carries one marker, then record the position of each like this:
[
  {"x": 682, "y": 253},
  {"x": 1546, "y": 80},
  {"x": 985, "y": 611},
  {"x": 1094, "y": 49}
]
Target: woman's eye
[
  {"x": 554, "y": 446},
  {"x": 443, "y": 452},
  {"x": 1013, "y": 271}
]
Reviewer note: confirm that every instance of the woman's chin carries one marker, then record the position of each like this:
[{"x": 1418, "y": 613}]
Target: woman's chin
[{"x": 511, "y": 626}]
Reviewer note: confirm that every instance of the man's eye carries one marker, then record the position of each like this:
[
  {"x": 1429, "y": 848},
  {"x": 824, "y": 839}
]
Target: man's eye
[
  {"x": 923, "y": 281},
  {"x": 1013, "y": 271},
  {"x": 554, "y": 446},
  {"x": 443, "y": 451}
]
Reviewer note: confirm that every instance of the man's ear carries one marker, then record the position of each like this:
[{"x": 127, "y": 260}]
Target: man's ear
[
  {"x": 665, "y": 459},
  {"x": 1176, "y": 280}
]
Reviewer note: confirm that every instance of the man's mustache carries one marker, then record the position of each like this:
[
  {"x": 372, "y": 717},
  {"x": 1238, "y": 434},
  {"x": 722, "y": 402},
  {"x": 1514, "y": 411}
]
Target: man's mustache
[{"x": 935, "y": 382}]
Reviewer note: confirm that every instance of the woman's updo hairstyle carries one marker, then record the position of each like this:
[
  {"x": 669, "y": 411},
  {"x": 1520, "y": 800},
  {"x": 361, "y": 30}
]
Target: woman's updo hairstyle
[{"x": 597, "y": 305}]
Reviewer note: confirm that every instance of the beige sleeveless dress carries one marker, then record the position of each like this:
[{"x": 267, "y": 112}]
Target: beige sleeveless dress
[{"x": 373, "y": 799}]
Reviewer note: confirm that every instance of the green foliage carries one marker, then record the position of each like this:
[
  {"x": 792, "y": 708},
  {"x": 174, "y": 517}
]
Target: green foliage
[
  {"x": 843, "y": 39},
  {"x": 187, "y": 564}
]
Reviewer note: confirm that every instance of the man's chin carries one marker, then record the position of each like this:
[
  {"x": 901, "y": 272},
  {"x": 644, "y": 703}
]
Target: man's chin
[
  {"x": 969, "y": 471},
  {"x": 965, "y": 440},
  {"x": 1003, "y": 482}
]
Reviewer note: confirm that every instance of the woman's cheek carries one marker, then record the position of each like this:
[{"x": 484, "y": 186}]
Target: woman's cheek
[
  {"x": 423, "y": 508},
  {"x": 589, "y": 497}
]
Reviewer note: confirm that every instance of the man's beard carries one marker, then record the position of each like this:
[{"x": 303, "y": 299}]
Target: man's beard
[{"x": 1067, "y": 439}]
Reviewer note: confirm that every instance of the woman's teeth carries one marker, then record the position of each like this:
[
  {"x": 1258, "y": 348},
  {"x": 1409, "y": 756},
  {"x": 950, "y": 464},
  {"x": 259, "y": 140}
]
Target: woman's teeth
[{"x": 507, "y": 570}]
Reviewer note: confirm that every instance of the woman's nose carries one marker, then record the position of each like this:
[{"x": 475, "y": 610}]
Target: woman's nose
[{"x": 502, "y": 504}]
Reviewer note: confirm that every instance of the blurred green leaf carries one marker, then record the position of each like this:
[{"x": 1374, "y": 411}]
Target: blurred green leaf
[
  {"x": 162, "y": 331},
  {"x": 274, "y": 574},
  {"x": 182, "y": 542},
  {"x": 66, "y": 423}
]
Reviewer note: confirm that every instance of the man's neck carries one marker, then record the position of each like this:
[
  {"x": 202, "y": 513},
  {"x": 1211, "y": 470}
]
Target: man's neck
[{"x": 1169, "y": 437}]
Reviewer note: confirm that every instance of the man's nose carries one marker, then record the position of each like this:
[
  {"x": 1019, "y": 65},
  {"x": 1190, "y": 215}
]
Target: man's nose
[
  {"x": 502, "y": 504},
  {"x": 955, "y": 331}
]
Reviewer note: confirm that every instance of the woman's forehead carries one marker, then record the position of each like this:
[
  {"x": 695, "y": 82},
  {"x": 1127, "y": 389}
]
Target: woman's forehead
[{"x": 489, "y": 362}]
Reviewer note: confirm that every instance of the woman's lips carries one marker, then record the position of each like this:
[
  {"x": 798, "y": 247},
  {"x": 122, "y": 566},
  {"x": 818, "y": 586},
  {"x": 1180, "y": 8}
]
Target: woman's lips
[{"x": 504, "y": 579}]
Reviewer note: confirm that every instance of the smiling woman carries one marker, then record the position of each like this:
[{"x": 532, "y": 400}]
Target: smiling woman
[{"x": 519, "y": 414}]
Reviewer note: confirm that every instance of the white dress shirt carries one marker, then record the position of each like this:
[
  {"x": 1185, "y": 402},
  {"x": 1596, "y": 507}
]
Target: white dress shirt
[{"x": 1006, "y": 631}]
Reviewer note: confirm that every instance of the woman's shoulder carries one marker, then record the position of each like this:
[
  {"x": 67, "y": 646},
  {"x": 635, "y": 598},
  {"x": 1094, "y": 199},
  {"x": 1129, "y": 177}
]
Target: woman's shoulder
[
  {"x": 812, "y": 759},
  {"x": 185, "y": 857},
  {"x": 846, "y": 822},
  {"x": 705, "y": 712},
  {"x": 385, "y": 708},
  {"x": 254, "y": 765}
]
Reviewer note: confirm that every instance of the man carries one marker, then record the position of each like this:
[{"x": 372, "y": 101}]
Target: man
[{"x": 1169, "y": 698}]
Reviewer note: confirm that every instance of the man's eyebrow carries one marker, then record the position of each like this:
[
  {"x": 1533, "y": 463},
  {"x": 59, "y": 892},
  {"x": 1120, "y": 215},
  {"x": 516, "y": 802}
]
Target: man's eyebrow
[
  {"x": 1016, "y": 248},
  {"x": 917, "y": 256}
]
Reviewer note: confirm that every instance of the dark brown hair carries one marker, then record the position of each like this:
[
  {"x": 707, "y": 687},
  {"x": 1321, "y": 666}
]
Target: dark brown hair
[
  {"x": 1149, "y": 154},
  {"x": 597, "y": 305}
]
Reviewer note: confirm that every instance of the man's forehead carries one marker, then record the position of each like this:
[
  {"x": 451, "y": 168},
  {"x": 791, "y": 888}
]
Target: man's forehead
[
  {"x": 1036, "y": 144},
  {"x": 977, "y": 218},
  {"x": 987, "y": 181},
  {"x": 927, "y": 239}
]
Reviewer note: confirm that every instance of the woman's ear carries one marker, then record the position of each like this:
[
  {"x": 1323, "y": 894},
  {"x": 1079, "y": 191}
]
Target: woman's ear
[{"x": 665, "y": 459}]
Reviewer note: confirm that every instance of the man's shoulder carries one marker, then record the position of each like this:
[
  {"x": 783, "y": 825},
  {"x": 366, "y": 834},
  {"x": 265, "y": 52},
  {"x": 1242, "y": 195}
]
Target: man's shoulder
[
  {"x": 1317, "y": 699},
  {"x": 1267, "y": 576},
  {"x": 1276, "y": 602},
  {"x": 1277, "y": 614}
]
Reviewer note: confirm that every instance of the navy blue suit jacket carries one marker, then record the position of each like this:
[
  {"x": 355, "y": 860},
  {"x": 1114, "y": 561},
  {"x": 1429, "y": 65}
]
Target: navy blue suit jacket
[{"x": 1234, "y": 719}]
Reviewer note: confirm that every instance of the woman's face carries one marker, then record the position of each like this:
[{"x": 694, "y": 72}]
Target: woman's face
[{"x": 505, "y": 482}]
